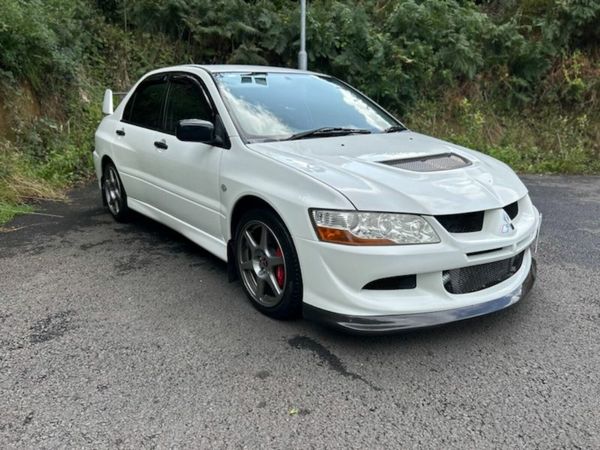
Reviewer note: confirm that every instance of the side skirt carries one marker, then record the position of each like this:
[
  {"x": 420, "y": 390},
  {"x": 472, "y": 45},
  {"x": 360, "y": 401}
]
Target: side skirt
[{"x": 204, "y": 240}]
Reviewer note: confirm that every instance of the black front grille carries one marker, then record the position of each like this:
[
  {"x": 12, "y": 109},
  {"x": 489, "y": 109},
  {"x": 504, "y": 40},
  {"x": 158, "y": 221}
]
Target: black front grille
[
  {"x": 512, "y": 210},
  {"x": 462, "y": 223},
  {"x": 476, "y": 278}
]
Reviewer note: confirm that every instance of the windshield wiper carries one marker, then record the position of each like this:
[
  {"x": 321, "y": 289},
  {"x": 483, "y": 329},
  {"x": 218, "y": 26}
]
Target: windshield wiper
[
  {"x": 327, "y": 131},
  {"x": 394, "y": 129}
]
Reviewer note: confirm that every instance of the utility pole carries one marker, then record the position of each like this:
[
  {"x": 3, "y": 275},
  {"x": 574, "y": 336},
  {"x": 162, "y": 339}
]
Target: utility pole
[
  {"x": 126, "y": 82},
  {"x": 302, "y": 56}
]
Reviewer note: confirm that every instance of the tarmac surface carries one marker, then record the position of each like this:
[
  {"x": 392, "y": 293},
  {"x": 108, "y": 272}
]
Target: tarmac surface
[{"x": 128, "y": 335}]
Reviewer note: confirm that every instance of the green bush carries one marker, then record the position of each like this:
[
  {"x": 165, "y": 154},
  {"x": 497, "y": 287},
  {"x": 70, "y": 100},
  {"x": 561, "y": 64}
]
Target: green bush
[{"x": 40, "y": 40}]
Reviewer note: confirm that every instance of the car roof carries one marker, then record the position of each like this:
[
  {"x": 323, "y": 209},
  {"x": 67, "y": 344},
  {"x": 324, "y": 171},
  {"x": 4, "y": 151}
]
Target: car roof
[{"x": 241, "y": 68}]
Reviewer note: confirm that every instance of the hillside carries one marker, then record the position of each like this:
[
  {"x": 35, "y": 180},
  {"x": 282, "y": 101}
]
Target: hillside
[{"x": 517, "y": 80}]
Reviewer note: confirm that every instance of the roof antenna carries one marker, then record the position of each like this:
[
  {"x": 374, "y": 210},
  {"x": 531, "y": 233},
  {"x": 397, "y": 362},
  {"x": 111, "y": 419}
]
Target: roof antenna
[{"x": 302, "y": 56}]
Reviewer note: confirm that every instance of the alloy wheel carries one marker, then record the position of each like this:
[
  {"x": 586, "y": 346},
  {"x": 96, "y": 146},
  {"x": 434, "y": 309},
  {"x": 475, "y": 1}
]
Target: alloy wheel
[
  {"x": 112, "y": 191},
  {"x": 261, "y": 263}
]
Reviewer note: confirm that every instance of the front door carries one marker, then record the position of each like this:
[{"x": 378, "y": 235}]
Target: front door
[{"x": 187, "y": 173}]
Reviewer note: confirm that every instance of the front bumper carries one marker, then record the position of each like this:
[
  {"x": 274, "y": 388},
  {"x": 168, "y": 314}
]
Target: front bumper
[
  {"x": 336, "y": 276},
  {"x": 394, "y": 323}
]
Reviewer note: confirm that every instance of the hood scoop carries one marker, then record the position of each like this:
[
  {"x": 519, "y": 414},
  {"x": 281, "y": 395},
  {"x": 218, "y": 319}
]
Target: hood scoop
[{"x": 430, "y": 163}]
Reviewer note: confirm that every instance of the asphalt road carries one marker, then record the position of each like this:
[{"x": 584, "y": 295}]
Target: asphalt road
[{"x": 129, "y": 335}]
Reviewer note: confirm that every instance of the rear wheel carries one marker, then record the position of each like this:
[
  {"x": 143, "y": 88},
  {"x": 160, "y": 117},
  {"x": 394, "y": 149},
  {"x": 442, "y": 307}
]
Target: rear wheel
[
  {"x": 268, "y": 265},
  {"x": 114, "y": 194}
]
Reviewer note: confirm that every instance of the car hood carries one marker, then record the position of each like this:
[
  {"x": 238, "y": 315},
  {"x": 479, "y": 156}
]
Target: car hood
[{"x": 353, "y": 165}]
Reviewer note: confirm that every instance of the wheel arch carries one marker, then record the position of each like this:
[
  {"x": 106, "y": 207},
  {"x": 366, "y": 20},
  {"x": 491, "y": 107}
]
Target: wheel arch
[
  {"x": 105, "y": 161},
  {"x": 248, "y": 202},
  {"x": 245, "y": 203}
]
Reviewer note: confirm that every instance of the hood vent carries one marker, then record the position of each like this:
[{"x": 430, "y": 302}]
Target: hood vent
[{"x": 433, "y": 163}]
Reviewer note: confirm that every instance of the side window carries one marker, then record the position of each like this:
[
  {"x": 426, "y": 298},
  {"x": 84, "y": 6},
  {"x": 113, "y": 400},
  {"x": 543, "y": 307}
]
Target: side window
[
  {"x": 186, "y": 101},
  {"x": 146, "y": 104},
  {"x": 128, "y": 108}
]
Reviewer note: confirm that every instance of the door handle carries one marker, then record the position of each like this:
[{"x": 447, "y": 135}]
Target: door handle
[
  {"x": 121, "y": 132},
  {"x": 161, "y": 145}
]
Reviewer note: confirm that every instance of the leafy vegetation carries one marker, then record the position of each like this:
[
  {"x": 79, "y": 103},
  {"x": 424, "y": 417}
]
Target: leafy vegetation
[
  {"x": 517, "y": 79},
  {"x": 8, "y": 211}
]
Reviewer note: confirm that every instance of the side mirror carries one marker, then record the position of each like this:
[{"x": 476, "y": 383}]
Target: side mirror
[
  {"x": 194, "y": 130},
  {"x": 107, "y": 103}
]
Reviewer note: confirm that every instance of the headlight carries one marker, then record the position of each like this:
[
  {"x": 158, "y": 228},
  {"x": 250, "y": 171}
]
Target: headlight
[{"x": 372, "y": 228}]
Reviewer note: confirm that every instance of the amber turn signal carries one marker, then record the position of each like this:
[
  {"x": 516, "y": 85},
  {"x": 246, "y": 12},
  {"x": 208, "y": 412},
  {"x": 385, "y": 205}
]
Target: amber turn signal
[{"x": 345, "y": 237}]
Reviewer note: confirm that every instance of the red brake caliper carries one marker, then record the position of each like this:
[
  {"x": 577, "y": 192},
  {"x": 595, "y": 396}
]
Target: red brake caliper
[{"x": 279, "y": 270}]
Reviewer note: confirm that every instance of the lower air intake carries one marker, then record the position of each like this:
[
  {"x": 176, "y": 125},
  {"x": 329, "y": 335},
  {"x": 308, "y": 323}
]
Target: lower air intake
[
  {"x": 433, "y": 163},
  {"x": 392, "y": 283},
  {"x": 476, "y": 278}
]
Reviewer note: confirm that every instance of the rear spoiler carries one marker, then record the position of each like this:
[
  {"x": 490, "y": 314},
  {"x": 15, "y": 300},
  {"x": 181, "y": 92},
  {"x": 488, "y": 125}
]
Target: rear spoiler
[{"x": 107, "y": 103}]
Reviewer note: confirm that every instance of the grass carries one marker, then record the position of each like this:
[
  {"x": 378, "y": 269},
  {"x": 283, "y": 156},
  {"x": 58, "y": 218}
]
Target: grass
[
  {"x": 8, "y": 211},
  {"x": 41, "y": 157},
  {"x": 21, "y": 186},
  {"x": 548, "y": 140}
]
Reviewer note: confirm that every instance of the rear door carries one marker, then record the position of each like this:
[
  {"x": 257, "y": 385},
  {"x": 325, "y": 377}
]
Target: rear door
[
  {"x": 187, "y": 172},
  {"x": 140, "y": 128}
]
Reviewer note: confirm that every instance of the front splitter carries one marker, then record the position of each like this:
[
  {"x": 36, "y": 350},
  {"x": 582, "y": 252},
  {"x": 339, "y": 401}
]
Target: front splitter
[{"x": 401, "y": 322}]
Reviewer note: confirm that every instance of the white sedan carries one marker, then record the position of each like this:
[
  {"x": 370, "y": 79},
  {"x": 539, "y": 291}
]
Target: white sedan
[{"x": 320, "y": 201}]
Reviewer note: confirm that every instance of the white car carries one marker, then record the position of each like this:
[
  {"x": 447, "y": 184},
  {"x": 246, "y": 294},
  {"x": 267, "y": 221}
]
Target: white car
[{"x": 319, "y": 200}]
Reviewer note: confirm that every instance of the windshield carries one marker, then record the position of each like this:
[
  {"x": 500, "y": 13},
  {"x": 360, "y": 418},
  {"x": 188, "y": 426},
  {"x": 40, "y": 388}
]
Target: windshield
[{"x": 275, "y": 106}]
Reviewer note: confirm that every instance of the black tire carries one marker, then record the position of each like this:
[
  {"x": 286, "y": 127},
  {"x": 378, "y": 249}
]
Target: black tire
[
  {"x": 114, "y": 196},
  {"x": 280, "y": 253}
]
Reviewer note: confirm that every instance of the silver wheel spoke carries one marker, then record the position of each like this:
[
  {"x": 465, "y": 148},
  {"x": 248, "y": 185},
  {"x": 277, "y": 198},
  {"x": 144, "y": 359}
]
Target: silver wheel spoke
[
  {"x": 260, "y": 287},
  {"x": 275, "y": 260},
  {"x": 251, "y": 243},
  {"x": 263, "y": 238},
  {"x": 274, "y": 285},
  {"x": 246, "y": 265}
]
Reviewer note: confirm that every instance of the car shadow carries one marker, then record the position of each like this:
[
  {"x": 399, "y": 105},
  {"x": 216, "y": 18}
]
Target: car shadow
[{"x": 157, "y": 235}]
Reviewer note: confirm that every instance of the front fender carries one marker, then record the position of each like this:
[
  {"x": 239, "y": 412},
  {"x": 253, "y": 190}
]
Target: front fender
[{"x": 287, "y": 190}]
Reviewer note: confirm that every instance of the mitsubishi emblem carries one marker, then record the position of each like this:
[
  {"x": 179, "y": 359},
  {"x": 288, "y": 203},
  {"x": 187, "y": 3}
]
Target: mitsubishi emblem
[{"x": 507, "y": 225}]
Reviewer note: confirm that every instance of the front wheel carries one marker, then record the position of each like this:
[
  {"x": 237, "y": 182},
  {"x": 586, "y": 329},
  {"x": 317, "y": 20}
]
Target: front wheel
[{"x": 268, "y": 265}]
